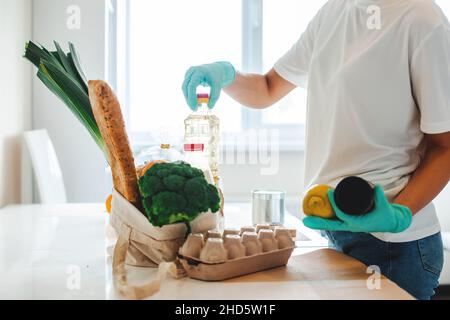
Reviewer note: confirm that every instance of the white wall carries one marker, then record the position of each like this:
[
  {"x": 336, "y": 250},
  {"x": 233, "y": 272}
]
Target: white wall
[
  {"x": 82, "y": 163},
  {"x": 15, "y": 95},
  {"x": 240, "y": 180}
]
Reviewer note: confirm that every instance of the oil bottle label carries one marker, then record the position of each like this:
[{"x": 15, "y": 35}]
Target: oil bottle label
[{"x": 194, "y": 147}]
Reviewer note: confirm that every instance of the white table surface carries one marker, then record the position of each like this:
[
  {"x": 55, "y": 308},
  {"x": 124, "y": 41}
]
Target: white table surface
[{"x": 60, "y": 252}]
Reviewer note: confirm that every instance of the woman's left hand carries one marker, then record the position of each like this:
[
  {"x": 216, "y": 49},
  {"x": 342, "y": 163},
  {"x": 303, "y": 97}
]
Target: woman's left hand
[{"x": 386, "y": 217}]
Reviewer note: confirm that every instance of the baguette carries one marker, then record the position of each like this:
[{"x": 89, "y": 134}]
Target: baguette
[{"x": 108, "y": 115}]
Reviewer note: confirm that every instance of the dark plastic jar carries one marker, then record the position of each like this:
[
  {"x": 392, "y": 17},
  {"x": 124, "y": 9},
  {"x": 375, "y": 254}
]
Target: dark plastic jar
[{"x": 355, "y": 196}]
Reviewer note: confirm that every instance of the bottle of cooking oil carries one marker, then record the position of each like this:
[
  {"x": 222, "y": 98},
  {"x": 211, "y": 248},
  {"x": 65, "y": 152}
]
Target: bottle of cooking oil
[{"x": 202, "y": 135}]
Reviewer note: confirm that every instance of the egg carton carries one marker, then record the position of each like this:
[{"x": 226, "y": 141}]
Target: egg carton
[{"x": 216, "y": 256}]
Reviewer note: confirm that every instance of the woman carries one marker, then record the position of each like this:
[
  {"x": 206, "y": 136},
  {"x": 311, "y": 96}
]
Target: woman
[{"x": 378, "y": 108}]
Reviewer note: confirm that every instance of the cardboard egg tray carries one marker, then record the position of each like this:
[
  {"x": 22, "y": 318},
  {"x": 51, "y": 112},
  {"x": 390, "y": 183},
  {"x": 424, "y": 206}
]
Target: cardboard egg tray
[{"x": 218, "y": 256}]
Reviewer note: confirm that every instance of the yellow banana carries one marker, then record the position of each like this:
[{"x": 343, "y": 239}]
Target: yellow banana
[{"x": 316, "y": 203}]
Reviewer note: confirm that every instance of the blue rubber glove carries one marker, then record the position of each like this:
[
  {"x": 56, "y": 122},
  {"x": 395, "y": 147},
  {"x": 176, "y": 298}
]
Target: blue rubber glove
[
  {"x": 386, "y": 217},
  {"x": 216, "y": 75}
]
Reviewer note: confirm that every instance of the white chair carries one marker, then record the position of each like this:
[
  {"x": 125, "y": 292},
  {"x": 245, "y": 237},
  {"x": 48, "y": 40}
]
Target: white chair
[{"x": 46, "y": 167}]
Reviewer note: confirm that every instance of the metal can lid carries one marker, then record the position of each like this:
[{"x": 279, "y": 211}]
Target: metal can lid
[{"x": 268, "y": 194}]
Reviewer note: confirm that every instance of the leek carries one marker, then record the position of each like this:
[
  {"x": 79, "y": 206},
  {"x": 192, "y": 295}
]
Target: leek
[{"x": 63, "y": 75}]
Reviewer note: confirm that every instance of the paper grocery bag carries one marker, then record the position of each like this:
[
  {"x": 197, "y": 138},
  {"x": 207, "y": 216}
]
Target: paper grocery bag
[{"x": 143, "y": 245}]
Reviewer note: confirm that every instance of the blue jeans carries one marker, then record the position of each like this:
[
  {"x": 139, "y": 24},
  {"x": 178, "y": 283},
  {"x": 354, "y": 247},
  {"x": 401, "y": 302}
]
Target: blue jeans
[{"x": 414, "y": 266}]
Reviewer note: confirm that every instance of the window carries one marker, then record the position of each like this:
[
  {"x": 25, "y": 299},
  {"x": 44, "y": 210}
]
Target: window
[
  {"x": 445, "y": 6},
  {"x": 283, "y": 23},
  {"x": 157, "y": 41}
]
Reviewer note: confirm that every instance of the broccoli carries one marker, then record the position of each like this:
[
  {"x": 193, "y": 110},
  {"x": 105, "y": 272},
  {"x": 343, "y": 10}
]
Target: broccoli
[{"x": 176, "y": 192}]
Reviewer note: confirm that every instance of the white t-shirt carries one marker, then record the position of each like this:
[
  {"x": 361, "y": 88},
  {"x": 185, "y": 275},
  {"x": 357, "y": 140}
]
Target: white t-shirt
[{"x": 373, "y": 93}]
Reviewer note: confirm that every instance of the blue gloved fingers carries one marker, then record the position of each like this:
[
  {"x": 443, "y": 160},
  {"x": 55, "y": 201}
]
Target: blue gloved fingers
[
  {"x": 215, "y": 75},
  {"x": 381, "y": 200},
  {"x": 196, "y": 80},
  {"x": 214, "y": 95},
  {"x": 405, "y": 217},
  {"x": 385, "y": 217},
  {"x": 187, "y": 79},
  {"x": 317, "y": 223}
]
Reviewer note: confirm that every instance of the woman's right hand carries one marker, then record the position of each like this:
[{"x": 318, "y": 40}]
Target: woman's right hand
[{"x": 216, "y": 75}]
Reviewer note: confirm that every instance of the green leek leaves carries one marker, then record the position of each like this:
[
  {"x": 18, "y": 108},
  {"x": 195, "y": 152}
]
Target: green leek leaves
[{"x": 63, "y": 75}]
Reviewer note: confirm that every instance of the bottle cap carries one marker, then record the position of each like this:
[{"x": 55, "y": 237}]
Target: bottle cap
[{"x": 202, "y": 98}]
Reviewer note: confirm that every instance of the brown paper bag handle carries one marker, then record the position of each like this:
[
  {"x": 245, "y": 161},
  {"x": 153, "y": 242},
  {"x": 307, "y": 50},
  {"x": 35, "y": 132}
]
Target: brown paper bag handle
[{"x": 120, "y": 273}]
